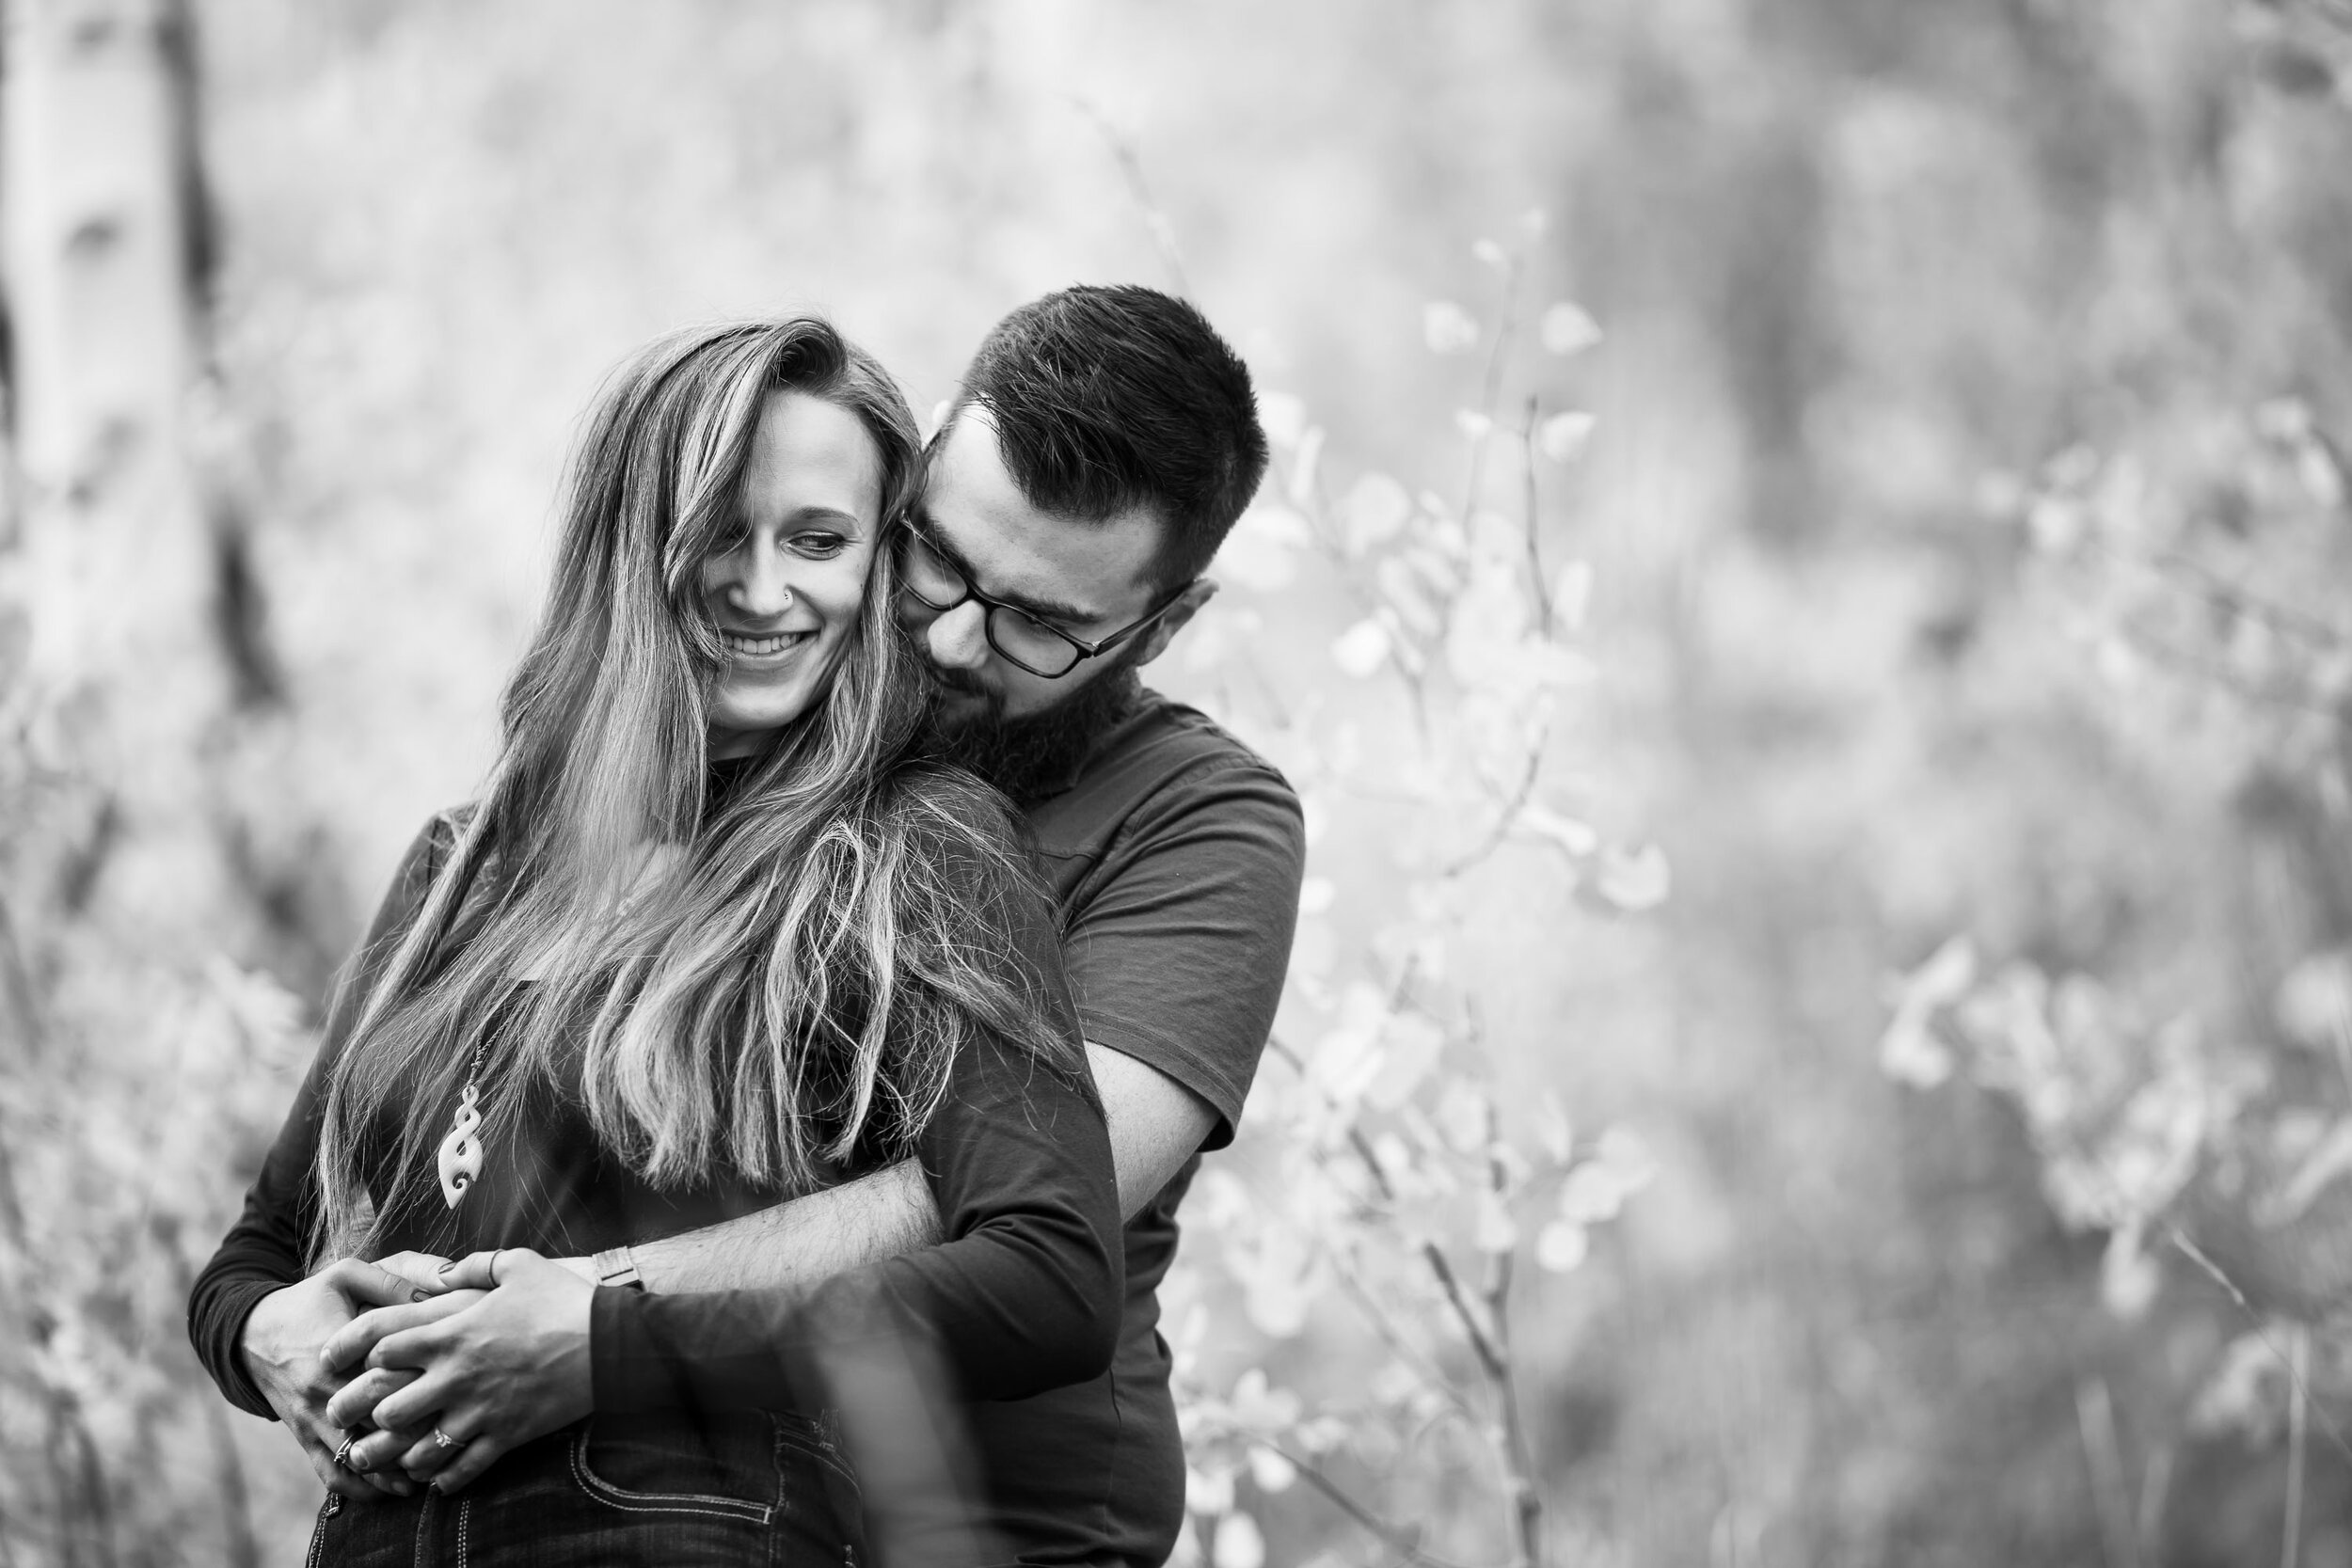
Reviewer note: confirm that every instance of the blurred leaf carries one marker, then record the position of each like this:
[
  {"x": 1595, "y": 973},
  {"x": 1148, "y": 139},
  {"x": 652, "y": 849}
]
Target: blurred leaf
[
  {"x": 1632, "y": 881},
  {"x": 1568, "y": 328},
  {"x": 1562, "y": 1245},
  {"x": 2326, "y": 1164},
  {"x": 1259, "y": 1406},
  {"x": 2246, "y": 1393},
  {"x": 1488, "y": 628},
  {"x": 1576, "y": 837},
  {"x": 1623, "y": 1151},
  {"x": 1490, "y": 252},
  {"x": 1564, "y": 437},
  {"x": 1573, "y": 595},
  {"x": 1910, "y": 1054},
  {"x": 1361, "y": 650},
  {"x": 1208, "y": 1493},
  {"x": 1403, "y": 591},
  {"x": 1909, "y": 1051},
  {"x": 1435, "y": 567},
  {"x": 2314, "y": 1005},
  {"x": 1270, "y": 1470},
  {"x": 1283, "y": 417},
  {"x": 1462, "y": 1117},
  {"x": 1592, "y": 1195},
  {"x": 1475, "y": 426},
  {"x": 1374, "y": 512},
  {"x": 1238, "y": 1543},
  {"x": 1446, "y": 328}
]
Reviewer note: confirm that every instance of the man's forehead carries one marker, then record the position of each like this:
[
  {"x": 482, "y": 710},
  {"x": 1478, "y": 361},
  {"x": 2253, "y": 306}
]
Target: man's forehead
[{"x": 1088, "y": 571}]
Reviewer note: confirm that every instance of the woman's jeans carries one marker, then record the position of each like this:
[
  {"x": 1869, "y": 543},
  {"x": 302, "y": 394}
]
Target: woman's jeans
[{"x": 736, "y": 1487}]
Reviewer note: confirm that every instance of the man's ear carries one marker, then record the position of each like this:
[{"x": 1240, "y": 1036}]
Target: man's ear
[{"x": 1187, "y": 605}]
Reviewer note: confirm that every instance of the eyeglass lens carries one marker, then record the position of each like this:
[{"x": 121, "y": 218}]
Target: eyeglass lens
[{"x": 1028, "y": 642}]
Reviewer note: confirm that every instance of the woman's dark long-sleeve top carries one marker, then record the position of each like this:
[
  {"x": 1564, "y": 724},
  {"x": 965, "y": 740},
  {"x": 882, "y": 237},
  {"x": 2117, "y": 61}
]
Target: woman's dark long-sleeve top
[{"x": 1021, "y": 1296}]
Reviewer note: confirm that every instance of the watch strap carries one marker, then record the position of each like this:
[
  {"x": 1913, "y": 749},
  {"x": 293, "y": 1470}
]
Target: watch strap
[{"x": 617, "y": 1267}]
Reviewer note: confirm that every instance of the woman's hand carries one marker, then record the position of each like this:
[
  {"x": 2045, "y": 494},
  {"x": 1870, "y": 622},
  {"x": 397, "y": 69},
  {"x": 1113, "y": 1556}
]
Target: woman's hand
[
  {"x": 379, "y": 1448},
  {"x": 281, "y": 1347},
  {"x": 486, "y": 1372}
]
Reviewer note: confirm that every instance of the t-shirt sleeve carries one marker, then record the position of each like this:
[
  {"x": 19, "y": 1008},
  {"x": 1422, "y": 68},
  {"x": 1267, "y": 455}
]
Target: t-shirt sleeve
[
  {"x": 265, "y": 1249},
  {"x": 1023, "y": 1294},
  {"x": 1178, "y": 959}
]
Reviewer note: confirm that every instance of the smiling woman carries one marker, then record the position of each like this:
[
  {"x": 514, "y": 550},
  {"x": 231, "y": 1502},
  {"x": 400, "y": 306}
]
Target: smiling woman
[
  {"x": 785, "y": 591},
  {"x": 716, "y": 935}
]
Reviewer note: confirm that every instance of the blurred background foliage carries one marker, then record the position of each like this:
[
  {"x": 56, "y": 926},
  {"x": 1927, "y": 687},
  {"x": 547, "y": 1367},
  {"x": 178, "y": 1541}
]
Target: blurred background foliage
[{"x": 1965, "y": 521}]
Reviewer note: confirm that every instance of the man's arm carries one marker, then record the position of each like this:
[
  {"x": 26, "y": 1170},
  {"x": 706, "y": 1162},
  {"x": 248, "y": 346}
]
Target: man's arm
[{"x": 1155, "y": 1125}]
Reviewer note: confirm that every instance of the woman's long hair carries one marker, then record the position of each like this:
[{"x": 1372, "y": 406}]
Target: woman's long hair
[{"x": 791, "y": 991}]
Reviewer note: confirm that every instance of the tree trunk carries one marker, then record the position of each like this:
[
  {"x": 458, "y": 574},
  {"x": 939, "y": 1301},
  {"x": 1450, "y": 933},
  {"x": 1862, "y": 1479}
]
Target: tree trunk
[{"x": 112, "y": 564}]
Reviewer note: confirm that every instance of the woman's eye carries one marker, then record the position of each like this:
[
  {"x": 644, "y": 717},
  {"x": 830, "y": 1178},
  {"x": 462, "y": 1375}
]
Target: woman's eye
[{"x": 820, "y": 546}]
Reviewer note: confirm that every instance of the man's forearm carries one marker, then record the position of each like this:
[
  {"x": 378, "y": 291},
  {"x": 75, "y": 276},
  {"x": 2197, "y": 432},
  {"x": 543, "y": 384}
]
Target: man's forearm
[
  {"x": 796, "y": 1245},
  {"x": 1155, "y": 1125}
]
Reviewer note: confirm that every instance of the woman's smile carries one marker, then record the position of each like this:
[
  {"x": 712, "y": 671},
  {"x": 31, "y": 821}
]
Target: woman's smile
[{"x": 749, "y": 652}]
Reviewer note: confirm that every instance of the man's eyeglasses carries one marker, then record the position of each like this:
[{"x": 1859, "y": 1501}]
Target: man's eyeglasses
[{"x": 1022, "y": 639}]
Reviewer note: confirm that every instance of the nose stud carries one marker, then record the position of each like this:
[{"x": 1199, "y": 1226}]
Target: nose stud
[{"x": 787, "y": 601}]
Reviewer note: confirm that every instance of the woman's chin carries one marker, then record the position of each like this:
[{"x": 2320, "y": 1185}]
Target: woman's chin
[{"x": 740, "y": 731}]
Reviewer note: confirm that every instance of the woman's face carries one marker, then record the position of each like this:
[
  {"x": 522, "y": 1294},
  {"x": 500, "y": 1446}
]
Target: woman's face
[{"x": 786, "y": 594}]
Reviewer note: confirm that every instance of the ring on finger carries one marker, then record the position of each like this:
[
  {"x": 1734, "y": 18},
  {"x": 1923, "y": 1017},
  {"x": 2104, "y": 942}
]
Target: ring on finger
[
  {"x": 343, "y": 1455},
  {"x": 446, "y": 1441}
]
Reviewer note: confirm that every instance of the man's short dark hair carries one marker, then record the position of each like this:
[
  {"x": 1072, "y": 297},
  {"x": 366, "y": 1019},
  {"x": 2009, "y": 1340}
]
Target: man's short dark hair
[{"x": 1109, "y": 398}]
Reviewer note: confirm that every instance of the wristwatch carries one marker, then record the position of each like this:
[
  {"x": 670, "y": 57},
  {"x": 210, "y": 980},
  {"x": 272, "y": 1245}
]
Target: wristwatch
[{"x": 617, "y": 1268}]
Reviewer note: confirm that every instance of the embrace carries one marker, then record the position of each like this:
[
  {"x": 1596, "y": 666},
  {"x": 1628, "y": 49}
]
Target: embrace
[{"x": 751, "y": 1131}]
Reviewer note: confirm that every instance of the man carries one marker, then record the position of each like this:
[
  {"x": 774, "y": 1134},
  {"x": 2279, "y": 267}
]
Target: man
[{"x": 1105, "y": 443}]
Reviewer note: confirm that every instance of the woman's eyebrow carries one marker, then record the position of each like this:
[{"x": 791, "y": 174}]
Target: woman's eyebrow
[{"x": 832, "y": 514}]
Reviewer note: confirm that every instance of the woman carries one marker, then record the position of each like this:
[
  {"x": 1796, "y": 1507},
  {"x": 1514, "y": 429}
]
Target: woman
[{"x": 715, "y": 936}]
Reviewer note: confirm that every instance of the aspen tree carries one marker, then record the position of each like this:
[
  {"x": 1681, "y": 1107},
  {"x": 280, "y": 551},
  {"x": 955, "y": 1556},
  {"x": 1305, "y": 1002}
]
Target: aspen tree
[{"x": 112, "y": 563}]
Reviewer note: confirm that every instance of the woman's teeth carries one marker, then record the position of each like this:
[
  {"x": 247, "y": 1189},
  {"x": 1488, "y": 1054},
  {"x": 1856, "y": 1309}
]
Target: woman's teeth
[{"x": 759, "y": 646}]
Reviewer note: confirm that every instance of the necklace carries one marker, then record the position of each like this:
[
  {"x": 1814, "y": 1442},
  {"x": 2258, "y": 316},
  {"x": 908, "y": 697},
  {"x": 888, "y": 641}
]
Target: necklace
[{"x": 461, "y": 1151}]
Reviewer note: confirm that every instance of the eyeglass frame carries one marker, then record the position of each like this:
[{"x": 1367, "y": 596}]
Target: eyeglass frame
[{"x": 989, "y": 607}]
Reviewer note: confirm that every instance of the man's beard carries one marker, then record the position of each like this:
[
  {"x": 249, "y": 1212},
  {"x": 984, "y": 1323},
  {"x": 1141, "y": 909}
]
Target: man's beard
[{"x": 1037, "y": 757}]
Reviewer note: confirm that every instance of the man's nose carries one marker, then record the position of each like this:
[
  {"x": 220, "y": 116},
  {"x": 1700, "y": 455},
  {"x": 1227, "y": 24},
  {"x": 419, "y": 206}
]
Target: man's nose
[{"x": 957, "y": 637}]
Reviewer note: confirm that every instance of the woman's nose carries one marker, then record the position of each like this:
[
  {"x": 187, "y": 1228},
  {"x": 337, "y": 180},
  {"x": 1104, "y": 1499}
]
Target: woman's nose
[
  {"x": 957, "y": 637},
  {"x": 761, "y": 587}
]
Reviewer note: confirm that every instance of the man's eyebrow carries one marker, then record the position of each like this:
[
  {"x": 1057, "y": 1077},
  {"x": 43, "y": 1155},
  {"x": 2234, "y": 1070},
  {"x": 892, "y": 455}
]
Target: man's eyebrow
[{"x": 1044, "y": 609}]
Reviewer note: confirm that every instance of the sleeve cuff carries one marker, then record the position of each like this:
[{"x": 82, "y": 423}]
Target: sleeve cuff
[
  {"x": 237, "y": 1301},
  {"x": 626, "y": 1371}
]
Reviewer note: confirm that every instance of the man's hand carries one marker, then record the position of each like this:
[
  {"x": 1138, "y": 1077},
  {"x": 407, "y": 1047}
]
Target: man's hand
[
  {"x": 489, "y": 1372},
  {"x": 282, "y": 1346}
]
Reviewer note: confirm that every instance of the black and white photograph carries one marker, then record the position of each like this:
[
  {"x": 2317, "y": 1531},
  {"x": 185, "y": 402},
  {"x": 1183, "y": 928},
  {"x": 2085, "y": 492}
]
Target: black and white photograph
[{"x": 1232, "y": 784}]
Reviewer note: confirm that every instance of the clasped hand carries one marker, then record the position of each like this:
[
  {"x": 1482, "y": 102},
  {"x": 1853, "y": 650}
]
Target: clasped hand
[{"x": 495, "y": 1355}]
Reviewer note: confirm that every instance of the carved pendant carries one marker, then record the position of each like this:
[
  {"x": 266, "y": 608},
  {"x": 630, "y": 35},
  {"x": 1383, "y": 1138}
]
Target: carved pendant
[{"x": 461, "y": 1151}]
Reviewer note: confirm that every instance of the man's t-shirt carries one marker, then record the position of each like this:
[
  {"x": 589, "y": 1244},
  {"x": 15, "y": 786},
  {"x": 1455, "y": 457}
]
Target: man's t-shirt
[{"x": 1174, "y": 857}]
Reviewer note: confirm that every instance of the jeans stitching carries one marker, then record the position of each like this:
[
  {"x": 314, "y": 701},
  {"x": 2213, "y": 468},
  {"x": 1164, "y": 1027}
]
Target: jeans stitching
[
  {"x": 610, "y": 1495},
  {"x": 818, "y": 1443},
  {"x": 464, "y": 1519},
  {"x": 327, "y": 1509}
]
